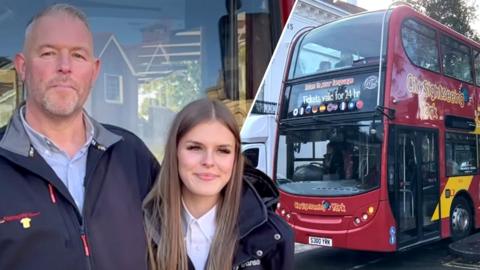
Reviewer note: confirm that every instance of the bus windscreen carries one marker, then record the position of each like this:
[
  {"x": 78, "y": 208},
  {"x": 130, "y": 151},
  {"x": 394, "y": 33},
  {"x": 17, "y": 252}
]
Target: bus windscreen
[
  {"x": 347, "y": 43},
  {"x": 338, "y": 160}
]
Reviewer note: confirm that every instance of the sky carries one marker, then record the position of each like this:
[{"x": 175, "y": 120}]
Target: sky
[{"x": 383, "y": 4}]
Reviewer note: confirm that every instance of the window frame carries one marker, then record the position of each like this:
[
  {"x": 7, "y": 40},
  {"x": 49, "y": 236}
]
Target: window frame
[
  {"x": 106, "y": 78},
  {"x": 476, "y": 65},
  {"x": 441, "y": 37},
  {"x": 416, "y": 20},
  {"x": 457, "y": 140},
  {"x": 474, "y": 70}
]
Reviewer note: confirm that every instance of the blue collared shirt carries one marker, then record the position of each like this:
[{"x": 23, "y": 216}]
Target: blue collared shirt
[{"x": 70, "y": 170}]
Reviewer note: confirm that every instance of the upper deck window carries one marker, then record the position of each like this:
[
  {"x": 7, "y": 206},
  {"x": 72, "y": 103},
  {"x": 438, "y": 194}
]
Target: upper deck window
[
  {"x": 339, "y": 45},
  {"x": 420, "y": 46},
  {"x": 476, "y": 55},
  {"x": 456, "y": 60}
]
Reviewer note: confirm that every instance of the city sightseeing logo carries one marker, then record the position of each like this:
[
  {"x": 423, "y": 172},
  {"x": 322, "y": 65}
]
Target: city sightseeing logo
[
  {"x": 321, "y": 207},
  {"x": 429, "y": 90}
]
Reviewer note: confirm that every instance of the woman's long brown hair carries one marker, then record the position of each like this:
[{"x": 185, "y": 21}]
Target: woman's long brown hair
[{"x": 164, "y": 200}]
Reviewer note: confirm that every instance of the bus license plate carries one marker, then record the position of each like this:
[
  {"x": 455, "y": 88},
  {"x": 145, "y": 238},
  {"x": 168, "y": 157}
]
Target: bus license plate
[{"x": 320, "y": 241}]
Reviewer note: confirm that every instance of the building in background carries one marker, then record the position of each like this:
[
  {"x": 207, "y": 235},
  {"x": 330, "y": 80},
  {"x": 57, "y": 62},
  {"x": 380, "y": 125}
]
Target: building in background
[
  {"x": 307, "y": 13},
  {"x": 258, "y": 130},
  {"x": 8, "y": 90},
  {"x": 157, "y": 56}
]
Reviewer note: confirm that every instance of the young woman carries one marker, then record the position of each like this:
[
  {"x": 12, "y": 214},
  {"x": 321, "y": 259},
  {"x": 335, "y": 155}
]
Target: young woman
[{"x": 201, "y": 214}]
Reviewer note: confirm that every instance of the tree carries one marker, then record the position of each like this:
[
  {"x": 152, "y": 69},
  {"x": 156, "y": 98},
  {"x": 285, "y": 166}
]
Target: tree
[
  {"x": 456, "y": 14},
  {"x": 173, "y": 91}
]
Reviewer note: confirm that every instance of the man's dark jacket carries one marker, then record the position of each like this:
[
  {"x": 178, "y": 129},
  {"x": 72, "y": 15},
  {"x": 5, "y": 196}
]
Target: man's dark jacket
[{"x": 40, "y": 224}]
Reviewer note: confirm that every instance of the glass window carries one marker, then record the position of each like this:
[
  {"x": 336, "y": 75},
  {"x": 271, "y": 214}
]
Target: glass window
[
  {"x": 461, "y": 154},
  {"x": 251, "y": 156},
  {"x": 420, "y": 46},
  {"x": 476, "y": 55},
  {"x": 113, "y": 88},
  {"x": 339, "y": 45},
  {"x": 456, "y": 59},
  {"x": 8, "y": 91},
  {"x": 428, "y": 173},
  {"x": 329, "y": 161},
  {"x": 157, "y": 56}
]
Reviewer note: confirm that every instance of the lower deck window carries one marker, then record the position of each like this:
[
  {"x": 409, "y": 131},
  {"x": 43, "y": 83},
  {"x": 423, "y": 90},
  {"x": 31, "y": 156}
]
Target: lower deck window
[{"x": 461, "y": 154}]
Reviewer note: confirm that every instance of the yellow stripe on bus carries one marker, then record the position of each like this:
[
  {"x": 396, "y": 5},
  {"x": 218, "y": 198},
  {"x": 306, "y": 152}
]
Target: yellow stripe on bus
[{"x": 454, "y": 185}]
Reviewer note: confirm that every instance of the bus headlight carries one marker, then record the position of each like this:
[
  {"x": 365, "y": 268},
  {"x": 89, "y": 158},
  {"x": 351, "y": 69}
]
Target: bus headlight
[
  {"x": 364, "y": 214},
  {"x": 357, "y": 221}
]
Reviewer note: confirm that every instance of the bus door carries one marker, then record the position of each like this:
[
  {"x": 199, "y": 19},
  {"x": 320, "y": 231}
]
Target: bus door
[{"x": 414, "y": 184}]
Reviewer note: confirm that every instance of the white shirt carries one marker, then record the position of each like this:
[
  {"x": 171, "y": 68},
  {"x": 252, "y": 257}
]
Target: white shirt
[{"x": 198, "y": 235}]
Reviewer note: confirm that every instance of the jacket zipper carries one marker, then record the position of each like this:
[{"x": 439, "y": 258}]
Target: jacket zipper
[
  {"x": 83, "y": 224},
  {"x": 84, "y": 234},
  {"x": 83, "y": 229},
  {"x": 86, "y": 246}
]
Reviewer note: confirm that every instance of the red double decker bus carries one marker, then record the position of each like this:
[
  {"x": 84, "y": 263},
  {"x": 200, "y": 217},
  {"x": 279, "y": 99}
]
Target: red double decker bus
[{"x": 377, "y": 145}]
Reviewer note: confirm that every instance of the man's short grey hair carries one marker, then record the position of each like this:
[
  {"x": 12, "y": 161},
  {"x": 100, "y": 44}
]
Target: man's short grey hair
[{"x": 64, "y": 9}]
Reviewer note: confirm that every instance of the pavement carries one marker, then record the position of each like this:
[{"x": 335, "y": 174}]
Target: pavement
[
  {"x": 468, "y": 248},
  {"x": 300, "y": 248}
]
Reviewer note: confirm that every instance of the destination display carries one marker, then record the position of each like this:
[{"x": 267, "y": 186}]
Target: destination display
[{"x": 339, "y": 95}]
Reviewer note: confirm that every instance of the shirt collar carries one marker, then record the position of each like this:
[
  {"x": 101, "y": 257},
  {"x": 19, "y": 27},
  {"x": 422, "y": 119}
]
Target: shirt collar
[
  {"x": 16, "y": 140},
  {"x": 40, "y": 140},
  {"x": 207, "y": 222}
]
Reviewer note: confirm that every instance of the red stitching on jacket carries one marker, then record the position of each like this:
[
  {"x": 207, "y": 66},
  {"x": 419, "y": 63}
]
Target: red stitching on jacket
[{"x": 52, "y": 193}]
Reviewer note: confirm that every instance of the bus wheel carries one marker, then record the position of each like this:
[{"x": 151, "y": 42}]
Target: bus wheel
[{"x": 460, "y": 219}]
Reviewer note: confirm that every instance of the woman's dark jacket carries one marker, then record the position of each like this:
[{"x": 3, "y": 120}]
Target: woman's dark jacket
[{"x": 265, "y": 241}]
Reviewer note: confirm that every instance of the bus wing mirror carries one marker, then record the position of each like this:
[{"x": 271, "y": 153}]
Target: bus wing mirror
[{"x": 389, "y": 113}]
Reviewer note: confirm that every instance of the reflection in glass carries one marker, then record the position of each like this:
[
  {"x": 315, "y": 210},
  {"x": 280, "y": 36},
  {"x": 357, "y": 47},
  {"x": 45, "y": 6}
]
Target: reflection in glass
[
  {"x": 476, "y": 55},
  {"x": 8, "y": 90},
  {"x": 157, "y": 56},
  {"x": 456, "y": 59},
  {"x": 335, "y": 46},
  {"x": 461, "y": 154},
  {"x": 419, "y": 42},
  {"x": 329, "y": 161}
]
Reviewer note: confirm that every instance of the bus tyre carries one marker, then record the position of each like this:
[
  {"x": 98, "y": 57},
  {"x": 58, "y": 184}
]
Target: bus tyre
[{"x": 460, "y": 219}]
